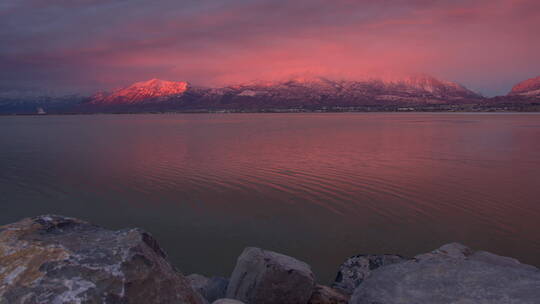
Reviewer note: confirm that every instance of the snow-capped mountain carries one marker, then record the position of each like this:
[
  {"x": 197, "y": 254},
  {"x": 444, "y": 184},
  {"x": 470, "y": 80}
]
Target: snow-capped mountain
[
  {"x": 529, "y": 88},
  {"x": 320, "y": 91},
  {"x": 415, "y": 87},
  {"x": 153, "y": 90},
  {"x": 439, "y": 88},
  {"x": 293, "y": 92}
]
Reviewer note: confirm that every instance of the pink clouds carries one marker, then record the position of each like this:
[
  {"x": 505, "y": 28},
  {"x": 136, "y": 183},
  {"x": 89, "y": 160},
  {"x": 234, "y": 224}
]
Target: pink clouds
[{"x": 486, "y": 45}]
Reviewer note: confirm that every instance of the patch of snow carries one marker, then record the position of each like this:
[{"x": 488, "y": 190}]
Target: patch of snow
[
  {"x": 248, "y": 93},
  {"x": 530, "y": 93}
]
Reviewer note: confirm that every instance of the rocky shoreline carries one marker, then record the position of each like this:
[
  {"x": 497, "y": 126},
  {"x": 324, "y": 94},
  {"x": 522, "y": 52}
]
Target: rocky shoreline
[{"x": 56, "y": 259}]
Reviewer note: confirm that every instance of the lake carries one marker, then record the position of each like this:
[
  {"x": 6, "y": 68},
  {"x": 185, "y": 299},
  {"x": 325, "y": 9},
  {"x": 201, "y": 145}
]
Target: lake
[{"x": 319, "y": 187}]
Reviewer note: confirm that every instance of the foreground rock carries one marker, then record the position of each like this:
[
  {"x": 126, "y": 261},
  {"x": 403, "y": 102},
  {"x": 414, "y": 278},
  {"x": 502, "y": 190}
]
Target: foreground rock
[
  {"x": 326, "y": 295},
  {"x": 357, "y": 268},
  {"x": 266, "y": 277},
  {"x": 210, "y": 288},
  {"x": 452, "y": 274},
  {"x": 54, "y": 259}
]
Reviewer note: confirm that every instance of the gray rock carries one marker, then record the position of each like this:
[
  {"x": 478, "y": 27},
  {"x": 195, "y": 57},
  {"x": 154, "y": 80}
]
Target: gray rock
[
  {"x": 227, "y": 301},
  {"x": 266, "y": 277},
  {"x": 357, "y": 268},
  {"x": 55, "y": 259},
  {"x": 216, "y": 288},
  {"x": 210, "y": 288},
  {"x": 488, "y": 257},
  {"x": 326, "y": 295},
  {"x": 197, "y": 281},
  {"x": 452, "y": 274},
  {"x": 452, "y": 250}
]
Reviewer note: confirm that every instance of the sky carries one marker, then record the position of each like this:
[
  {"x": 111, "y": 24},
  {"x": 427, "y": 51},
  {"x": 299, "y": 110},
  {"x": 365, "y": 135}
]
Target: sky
[{"x": 88, "y": 45}]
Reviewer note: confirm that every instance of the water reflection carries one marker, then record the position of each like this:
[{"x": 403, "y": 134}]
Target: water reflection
[{"x": 316, "y": 186}]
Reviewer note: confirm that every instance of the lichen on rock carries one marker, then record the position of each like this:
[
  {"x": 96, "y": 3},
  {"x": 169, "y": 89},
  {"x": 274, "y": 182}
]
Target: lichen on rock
[
  {"x": 56, "y": 259},
  {"x": 357, "y": 268}
]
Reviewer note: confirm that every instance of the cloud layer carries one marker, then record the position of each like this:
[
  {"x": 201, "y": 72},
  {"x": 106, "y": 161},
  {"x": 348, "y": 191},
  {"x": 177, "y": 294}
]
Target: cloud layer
[{"x": 487, "y": 45}]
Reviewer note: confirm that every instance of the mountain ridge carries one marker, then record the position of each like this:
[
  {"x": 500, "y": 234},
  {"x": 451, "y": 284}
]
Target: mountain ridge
[
  {"x": 310, "y": 93},
  {"x": 293, "y": 92}
]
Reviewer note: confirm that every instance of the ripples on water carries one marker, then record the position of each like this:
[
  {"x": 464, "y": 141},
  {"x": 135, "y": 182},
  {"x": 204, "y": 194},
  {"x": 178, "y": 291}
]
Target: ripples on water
[{"x": 317, "y": 186}]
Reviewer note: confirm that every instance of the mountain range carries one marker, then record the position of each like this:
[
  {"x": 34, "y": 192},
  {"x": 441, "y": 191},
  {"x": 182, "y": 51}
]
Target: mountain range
[{"x": 308, "y": 93}]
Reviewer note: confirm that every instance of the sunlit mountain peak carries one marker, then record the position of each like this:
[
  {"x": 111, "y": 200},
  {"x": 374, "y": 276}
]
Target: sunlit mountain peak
[
  {"x": 143, "y": 91},
  {"x": 529, "y": 87}
]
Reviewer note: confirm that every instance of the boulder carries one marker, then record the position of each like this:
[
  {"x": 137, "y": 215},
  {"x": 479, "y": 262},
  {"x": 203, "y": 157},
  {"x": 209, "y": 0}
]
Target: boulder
[
  {"x": 452, "y": 250},
  {"x": 357, "y": 268},
  {"x": 55, "y": 259},
  {"x": 266, "y": 277},
  {"x": 326, "y": 295},
  {"x": 197, "y": 281},
  {"x": 216, "y": 288},
  {"x": 452, "y": 274},
  {"x": 488, "y": 257},
  {"x": 227, "y": 301},
  {"x": 210, "y": 288}
]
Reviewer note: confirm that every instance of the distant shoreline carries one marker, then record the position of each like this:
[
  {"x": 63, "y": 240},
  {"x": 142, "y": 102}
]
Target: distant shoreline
[
  {"x": 283, "y": 112},
  {"x": 504, "y": 108}
]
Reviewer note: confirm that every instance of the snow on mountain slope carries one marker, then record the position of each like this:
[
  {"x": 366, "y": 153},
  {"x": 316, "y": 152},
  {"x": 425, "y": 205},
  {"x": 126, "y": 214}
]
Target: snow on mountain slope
[
  {"x": 414, "y": 88},
  {"x": 141, "y": 92},
  {"x": 527, "y": 88},
  {"x": 292, "y": 92}
]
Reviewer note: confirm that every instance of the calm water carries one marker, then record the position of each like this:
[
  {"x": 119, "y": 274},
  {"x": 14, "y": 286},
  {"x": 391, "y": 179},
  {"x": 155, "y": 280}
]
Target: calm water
[{"x": 320, "y": 187}]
